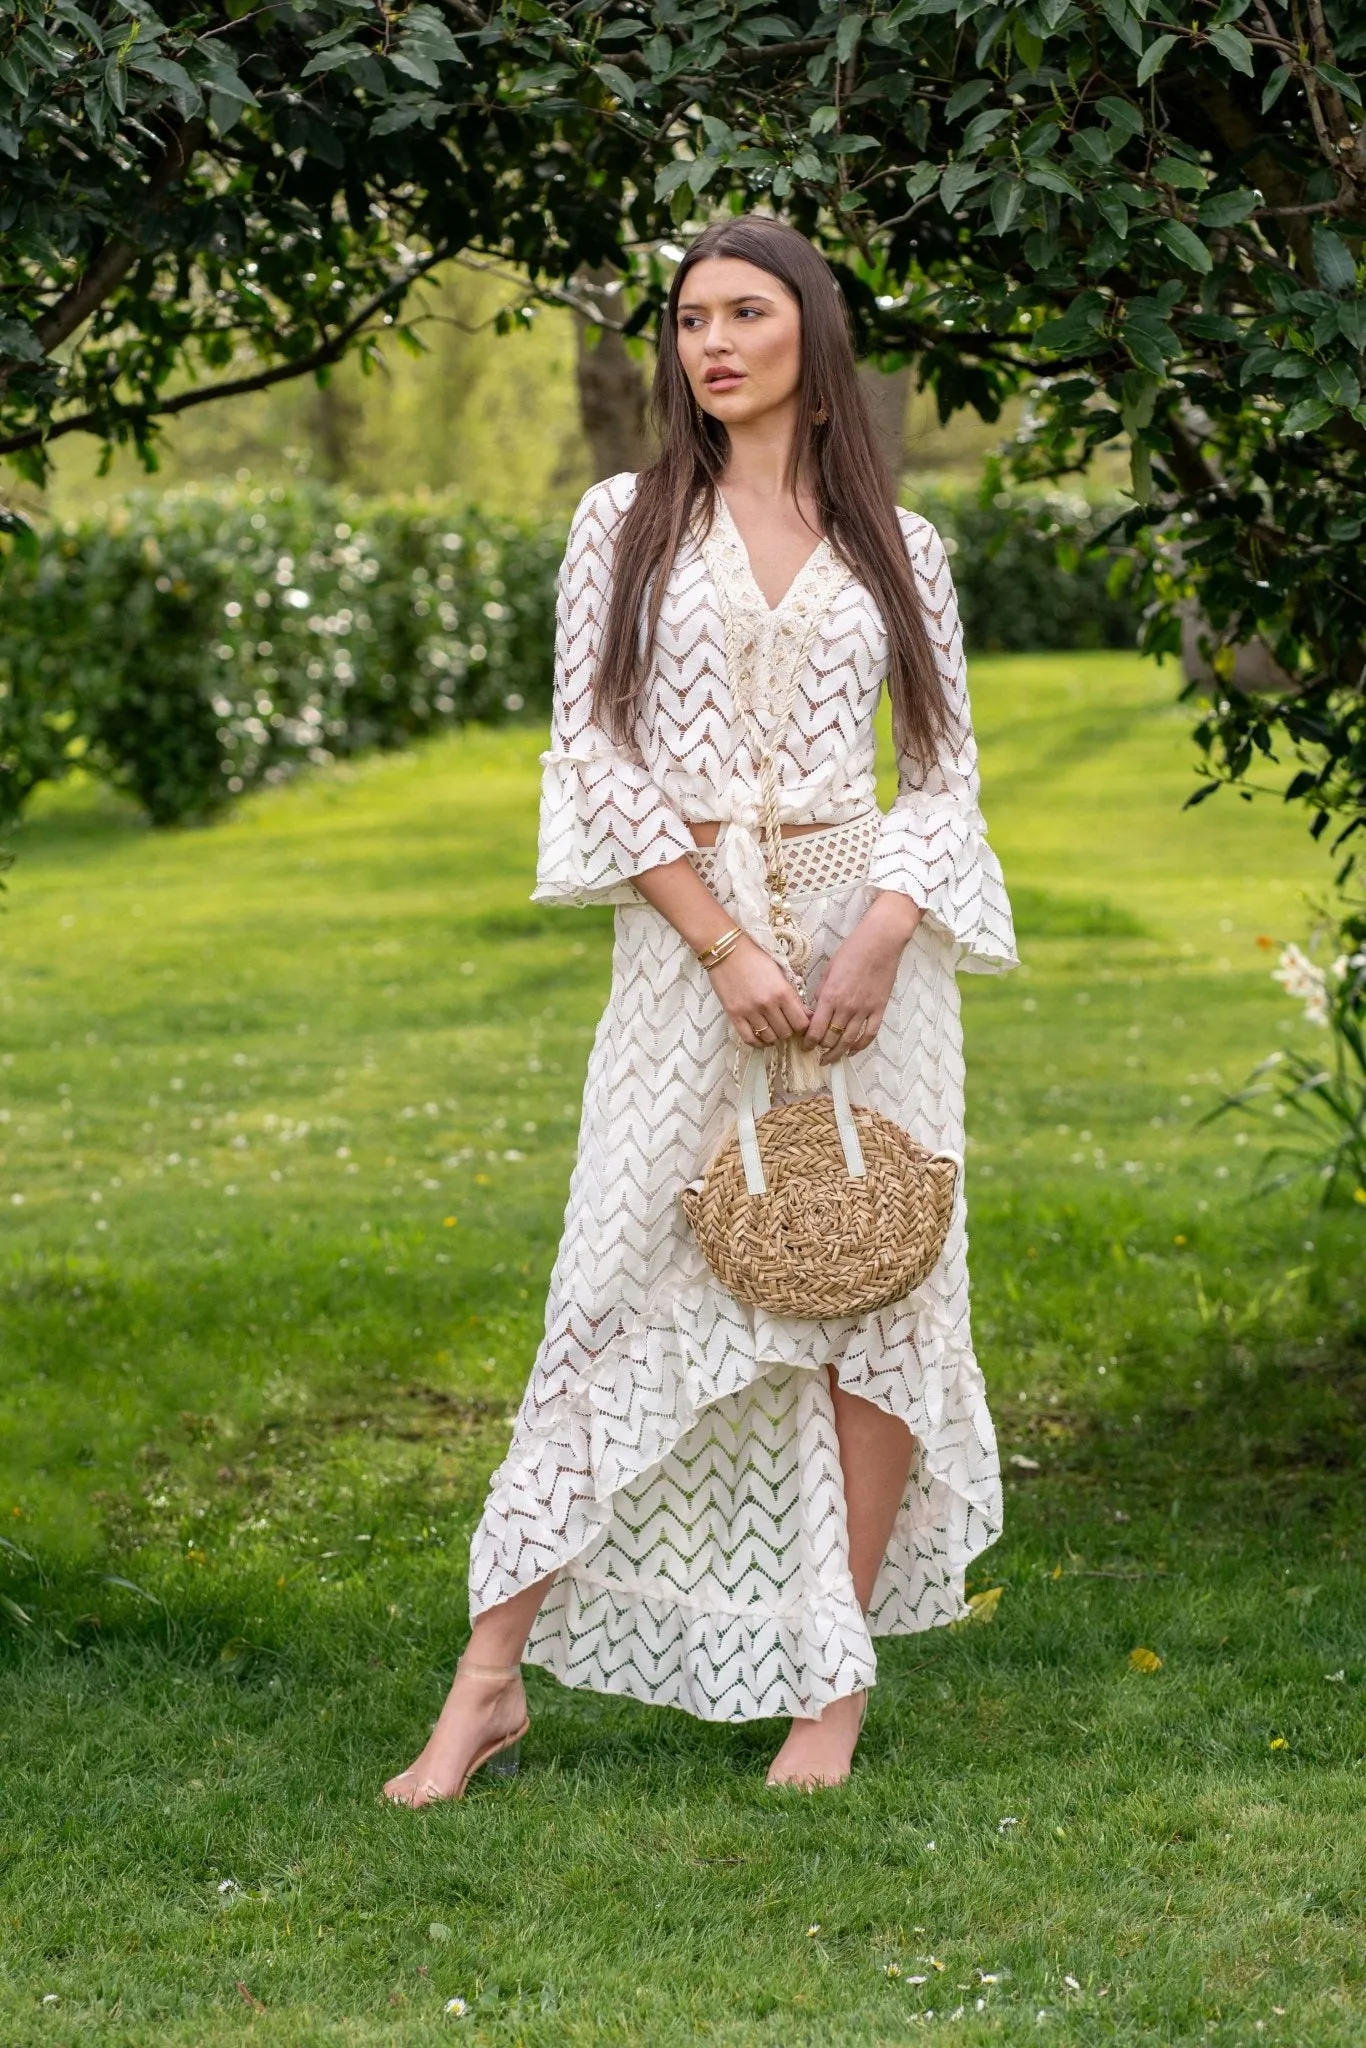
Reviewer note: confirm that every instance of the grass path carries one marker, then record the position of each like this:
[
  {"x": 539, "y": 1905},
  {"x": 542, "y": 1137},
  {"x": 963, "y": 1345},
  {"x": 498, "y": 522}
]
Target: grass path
[{"x": 286, "y": 1115}]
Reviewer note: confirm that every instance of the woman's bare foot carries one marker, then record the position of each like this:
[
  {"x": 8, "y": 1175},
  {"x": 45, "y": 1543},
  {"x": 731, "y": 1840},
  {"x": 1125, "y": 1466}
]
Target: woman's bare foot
[
  {"x": 821, "y": 1752},
  {"x": 483, "y": 1710}
]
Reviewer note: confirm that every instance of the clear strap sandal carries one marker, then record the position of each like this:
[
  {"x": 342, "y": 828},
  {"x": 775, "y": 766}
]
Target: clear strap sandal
[{"x": 500, "y": 1759}]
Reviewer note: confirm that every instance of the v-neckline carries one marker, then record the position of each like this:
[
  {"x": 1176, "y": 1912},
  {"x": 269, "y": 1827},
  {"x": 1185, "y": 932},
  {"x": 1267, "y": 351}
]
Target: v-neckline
[{"x": 728, "y": 519}]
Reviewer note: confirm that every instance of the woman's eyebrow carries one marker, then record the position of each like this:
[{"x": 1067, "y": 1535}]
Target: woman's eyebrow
[{"x": 741, "y": 299}]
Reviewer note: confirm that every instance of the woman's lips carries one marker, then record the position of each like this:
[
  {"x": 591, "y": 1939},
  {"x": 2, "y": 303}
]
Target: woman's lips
[{"x": 724, "y": 380}]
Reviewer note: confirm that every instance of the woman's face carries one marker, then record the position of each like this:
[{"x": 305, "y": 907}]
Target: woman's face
[{"x": 739, "y": 339}]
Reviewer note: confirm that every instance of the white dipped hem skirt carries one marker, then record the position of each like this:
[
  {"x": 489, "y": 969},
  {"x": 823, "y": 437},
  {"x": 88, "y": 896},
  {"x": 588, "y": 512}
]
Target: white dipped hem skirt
[{"x": 674, "y": 1462}]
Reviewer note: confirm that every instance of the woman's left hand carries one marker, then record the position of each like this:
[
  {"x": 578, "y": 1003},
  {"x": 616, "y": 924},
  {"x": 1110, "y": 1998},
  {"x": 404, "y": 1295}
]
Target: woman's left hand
[{"x": 858, "y": 983}]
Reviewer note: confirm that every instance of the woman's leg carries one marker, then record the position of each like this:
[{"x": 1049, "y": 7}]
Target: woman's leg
[
  {"x": 875, "y": 1457},
  {"x": 480, "y": 1708}
]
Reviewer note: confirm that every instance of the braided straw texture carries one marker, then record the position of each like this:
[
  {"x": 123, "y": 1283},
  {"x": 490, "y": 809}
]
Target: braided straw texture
[{"x": 821, "y": 1243}]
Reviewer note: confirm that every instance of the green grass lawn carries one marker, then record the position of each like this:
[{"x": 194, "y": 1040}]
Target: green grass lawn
[{"x": 288, "y": 1112}]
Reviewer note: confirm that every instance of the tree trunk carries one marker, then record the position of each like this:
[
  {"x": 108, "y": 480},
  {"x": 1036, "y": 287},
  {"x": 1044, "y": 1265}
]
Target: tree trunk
[
  {"x": 611, "y": 384},
  {"x": 336, "y": 415},
  {"x": 888, "y": 394}
]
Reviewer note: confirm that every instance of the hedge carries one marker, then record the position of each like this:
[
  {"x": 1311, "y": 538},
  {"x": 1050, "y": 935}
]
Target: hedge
[{"x": 190, "y": 645}]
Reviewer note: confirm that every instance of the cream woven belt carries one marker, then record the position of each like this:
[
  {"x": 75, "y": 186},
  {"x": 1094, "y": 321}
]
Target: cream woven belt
[{"x": 836, "y": 857}]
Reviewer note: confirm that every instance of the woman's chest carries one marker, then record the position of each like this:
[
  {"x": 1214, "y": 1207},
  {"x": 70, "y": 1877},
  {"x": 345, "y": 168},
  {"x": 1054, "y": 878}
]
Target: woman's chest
[{"x": 731, "y": 675}]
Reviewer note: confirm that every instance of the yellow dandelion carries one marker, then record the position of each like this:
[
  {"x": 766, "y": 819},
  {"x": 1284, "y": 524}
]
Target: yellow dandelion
[{"x": 1144, "y": 1660}]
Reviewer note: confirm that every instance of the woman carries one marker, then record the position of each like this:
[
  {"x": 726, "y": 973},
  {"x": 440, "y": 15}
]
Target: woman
[{"x": 703, "y": 1504}]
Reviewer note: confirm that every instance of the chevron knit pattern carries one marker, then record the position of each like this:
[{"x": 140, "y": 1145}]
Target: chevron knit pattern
[{"x": 674, "y": 1466}]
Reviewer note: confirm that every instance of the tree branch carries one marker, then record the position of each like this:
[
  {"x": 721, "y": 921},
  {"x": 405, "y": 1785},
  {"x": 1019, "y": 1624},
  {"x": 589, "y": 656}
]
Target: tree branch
[
  {"x": 235, "y": 387},
  {"x": 111, "y": 264}
]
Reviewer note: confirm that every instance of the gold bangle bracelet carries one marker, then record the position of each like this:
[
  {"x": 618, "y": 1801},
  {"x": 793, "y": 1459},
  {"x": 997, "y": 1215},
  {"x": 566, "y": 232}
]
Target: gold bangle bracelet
[{"x": 712, "y": 955}]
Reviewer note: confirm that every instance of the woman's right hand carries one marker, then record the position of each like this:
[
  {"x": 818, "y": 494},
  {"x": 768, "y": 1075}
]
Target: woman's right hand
[{"x": 758, "y": 997}]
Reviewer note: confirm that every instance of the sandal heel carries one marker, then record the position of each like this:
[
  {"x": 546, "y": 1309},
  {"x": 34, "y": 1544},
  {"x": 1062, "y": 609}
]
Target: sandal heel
[{"x": 506, "y": 1763}]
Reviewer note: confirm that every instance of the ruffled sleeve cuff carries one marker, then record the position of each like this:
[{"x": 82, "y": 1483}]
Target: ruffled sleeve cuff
[
  {"x": 933, "y": 848},
  {"x": 603, "y": 821}
]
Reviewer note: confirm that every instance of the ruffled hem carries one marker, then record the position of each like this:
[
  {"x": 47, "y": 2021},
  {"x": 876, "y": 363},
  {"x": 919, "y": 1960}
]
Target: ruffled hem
[
  {"x": 586, "y": 1455},
  {"x": 933, "y": 848},
  {"x": 665, "y": 1652}
]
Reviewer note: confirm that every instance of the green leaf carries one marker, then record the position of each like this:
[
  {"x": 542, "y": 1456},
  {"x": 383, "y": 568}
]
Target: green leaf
[
  {"x": 1116, "y": 12},
  {"x": 1348, "y": 87},
  {"x": 1094, "y": 144},
  {"x": 1351, "y": 320},
  {"x": 1113, "y": 212},
  {"x": 1334, "y": 262},
  {"x": 334, "y": 59},
  {"x": 847, "y": 35},
  {"x": 415, "y": 63},
  {"x": 1213, "y": 327},
  {"x": 1121, "y": 114},
  {"x": 1307, "y": 416},
  {"x": 922, "y": 180},
  {"x": 15, "y": 1612},
  {"x": 1145, "y": 350},
  {"x": 225, "y": 113},
  {"x": 703, "y": 169},
  {"x": 1052, "y": 180},
  {"x": 424, "y": 24},
  {"x": 958, "y": 181},
  {"x": 1186, "y": 177},
  {"x": 1185, "y": 245},
  {"x": 617, "y": 82},
  {"x": 806, "y": 164},
  {"x": 1006, "y": 197},
  {"x": 1275, "y": 86},
  {"x": 967, "y": 96},
  {"x": 1234, "y": 47},
  {"x": 1138, "y": 397},
  {"x": 1028, "y": 46},
  {"x": 1141, "y": 476},
  {"x": 395, "y": 119},
  {"x": 672, "y": 176},
  {"x": 1339, "y": 383},
  {"x": 229, "y": 86},
  {"x": 824, "y": 119},
  {"x": 981, "y": 127},
  {"x": 1154, "y": 57},
  {"x": 1076, "y": 328},
  {"x": 1226, "y": 209}
]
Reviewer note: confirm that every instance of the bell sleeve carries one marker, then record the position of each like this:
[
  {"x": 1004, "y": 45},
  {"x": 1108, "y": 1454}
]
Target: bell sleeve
[
  {"x": 603, "y": 818},
  {"x": 933, "y": 842}
]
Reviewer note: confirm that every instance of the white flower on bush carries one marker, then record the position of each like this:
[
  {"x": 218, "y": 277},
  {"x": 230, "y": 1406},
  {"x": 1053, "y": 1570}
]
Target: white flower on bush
[{"x": 1308, "y": 984}]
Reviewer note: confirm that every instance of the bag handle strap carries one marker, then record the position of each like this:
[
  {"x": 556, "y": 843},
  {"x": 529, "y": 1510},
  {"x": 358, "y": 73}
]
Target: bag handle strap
[{"x": 755, "y": 1102}]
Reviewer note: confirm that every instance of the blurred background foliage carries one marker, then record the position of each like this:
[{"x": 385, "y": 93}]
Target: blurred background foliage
[{"x": 321, "y": 568}]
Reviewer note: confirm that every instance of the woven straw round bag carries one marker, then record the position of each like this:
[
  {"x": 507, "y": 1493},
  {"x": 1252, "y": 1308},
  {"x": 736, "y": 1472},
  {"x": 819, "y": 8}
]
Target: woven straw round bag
[{"x": 818, "y": 1208}]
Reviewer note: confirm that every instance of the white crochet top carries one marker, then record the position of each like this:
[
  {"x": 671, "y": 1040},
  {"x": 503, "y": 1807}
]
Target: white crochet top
[{"x": 609, "y": 813}]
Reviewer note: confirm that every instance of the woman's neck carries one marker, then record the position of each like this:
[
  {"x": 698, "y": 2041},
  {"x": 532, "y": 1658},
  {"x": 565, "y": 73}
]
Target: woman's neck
[{"x": 760, "y": 457}]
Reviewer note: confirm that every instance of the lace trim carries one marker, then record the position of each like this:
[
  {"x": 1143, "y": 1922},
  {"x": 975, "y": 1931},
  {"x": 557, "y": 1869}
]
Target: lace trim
[
  {"x": 767, "y": 646},
  {"x": 816, "y": 862}
]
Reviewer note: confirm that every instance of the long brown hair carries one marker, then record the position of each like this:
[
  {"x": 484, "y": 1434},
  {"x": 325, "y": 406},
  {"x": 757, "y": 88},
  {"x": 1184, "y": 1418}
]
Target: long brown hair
[{"x": 835, "y": 456}]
